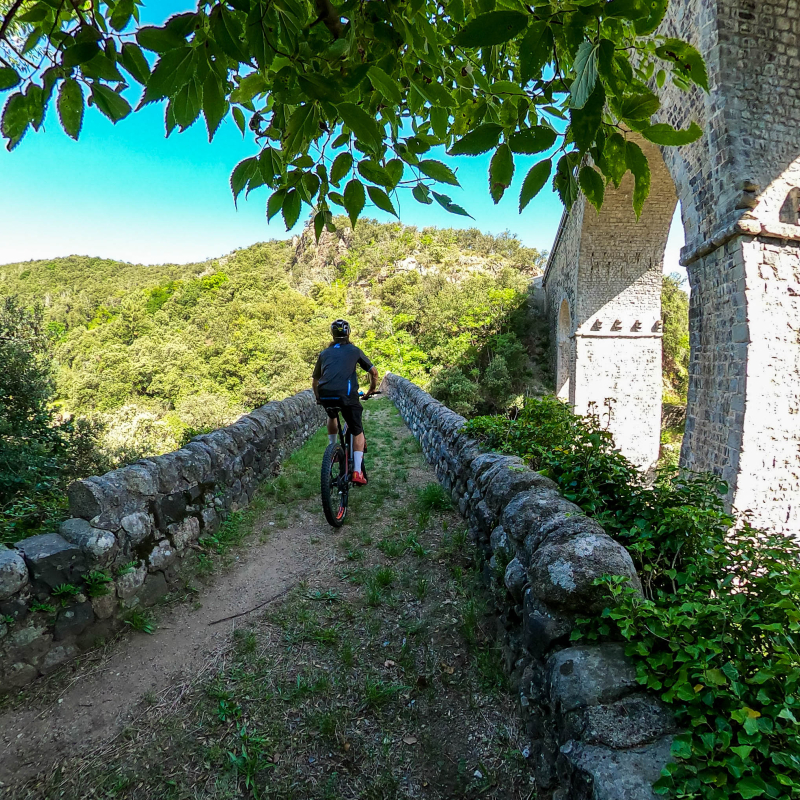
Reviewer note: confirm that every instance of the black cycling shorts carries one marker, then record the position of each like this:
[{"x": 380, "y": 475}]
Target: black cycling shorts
[{"x": 351, "y": 413}]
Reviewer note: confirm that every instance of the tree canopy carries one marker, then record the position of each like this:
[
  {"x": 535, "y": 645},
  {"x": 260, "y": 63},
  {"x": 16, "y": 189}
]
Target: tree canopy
[{"x": 346, "y": 101}]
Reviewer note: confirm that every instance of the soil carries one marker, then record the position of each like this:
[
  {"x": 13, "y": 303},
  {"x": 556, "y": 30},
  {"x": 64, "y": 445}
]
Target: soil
[{"x": 99, "y": 700}]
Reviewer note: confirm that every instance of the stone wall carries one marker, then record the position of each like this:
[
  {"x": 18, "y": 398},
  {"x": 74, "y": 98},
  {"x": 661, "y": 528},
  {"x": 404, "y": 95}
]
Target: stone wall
[
  {"x": 133, "y": 525},
  {"x": 596, "y": 734}
]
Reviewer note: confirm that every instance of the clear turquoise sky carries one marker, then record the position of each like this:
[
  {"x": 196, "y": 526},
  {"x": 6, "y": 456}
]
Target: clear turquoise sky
[{"x": 127, "y": 192}]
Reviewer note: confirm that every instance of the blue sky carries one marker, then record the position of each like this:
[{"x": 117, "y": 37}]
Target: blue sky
[{"x": 127, "y": 192}]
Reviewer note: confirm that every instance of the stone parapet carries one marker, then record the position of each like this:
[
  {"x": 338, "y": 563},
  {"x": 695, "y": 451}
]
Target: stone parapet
[
  {"x": 595, "y": 732},
  {"x": 128, "y": 531}
]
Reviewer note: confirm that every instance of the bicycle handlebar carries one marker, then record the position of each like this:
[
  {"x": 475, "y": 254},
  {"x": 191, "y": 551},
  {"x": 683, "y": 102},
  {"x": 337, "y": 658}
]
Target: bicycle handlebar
[{"x": 363, "y": 395}]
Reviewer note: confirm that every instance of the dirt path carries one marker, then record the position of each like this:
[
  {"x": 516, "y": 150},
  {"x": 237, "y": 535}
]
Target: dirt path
[{"x": 101, "y": 700}]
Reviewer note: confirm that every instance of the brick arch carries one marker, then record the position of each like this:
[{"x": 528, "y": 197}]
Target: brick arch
[{"x": 742, "y": 258}]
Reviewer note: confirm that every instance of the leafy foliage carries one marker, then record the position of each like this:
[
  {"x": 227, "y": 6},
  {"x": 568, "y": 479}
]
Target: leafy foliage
[
  {"x": 716, "y": 632},
  {"x": 675, "y": 358},
  {"x": 383, "y": 83}
]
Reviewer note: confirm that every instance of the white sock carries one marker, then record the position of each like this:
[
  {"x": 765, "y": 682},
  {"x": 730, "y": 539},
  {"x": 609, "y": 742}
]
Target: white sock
[
  {"x": 358, "y": 457},
  {"x": 332, "y": 437}
]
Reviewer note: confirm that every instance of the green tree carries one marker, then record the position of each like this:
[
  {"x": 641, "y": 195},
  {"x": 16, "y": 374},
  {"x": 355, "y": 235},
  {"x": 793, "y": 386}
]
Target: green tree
[
  {"x": 675, "y": 353},
  {"x": 346, "y": 101}
]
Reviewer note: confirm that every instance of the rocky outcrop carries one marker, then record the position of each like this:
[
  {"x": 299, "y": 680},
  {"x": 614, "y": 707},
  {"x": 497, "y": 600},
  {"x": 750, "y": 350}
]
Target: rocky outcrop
[
  {"x": 596, "y": 734},
  {"x": 128, "y": 531}
]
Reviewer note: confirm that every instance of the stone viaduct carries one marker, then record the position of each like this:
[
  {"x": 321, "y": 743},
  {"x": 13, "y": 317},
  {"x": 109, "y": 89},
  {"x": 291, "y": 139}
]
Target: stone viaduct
[{"x": 739, "y": 189}]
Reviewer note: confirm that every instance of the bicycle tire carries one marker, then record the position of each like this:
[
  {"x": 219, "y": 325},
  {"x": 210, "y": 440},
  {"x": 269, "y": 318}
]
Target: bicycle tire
[{"x": 333, "y": 487}]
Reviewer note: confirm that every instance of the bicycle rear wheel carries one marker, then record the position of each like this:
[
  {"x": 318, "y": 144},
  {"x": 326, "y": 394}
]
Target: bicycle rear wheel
[{"x": 333, "y": 485}]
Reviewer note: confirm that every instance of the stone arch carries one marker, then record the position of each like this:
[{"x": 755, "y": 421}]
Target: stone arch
[
  {"x": 564, "y": 341},
  {"x": 737, "y": 186}
]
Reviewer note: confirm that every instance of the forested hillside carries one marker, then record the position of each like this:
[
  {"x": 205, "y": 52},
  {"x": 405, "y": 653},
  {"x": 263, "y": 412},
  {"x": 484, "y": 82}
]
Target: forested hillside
[{"x": 154, "y": 354}]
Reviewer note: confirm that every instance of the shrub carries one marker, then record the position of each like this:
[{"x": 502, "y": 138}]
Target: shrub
[{"x": 716, "y": 632}]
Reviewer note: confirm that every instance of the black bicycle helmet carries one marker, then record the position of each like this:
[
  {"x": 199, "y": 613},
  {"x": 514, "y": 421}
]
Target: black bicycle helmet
[{"x": 340, "y": 329}]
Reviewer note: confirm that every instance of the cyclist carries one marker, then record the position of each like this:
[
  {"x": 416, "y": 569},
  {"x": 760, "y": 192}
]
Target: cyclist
[{"x": 335, "y": 385}]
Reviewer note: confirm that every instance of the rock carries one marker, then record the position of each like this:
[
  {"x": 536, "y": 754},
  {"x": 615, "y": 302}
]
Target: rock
[
  {"x": 155, "y": 587},
  {"x": 210, "y": 521},
  {"x": 100, "y": 545},
  {"x": 563, "y": 572},
  {"x": 13, "y": 573},
  {"x": 16, "y": 608},
  {"x": 73, "y": 621},
  {"x": 589, "y": 676},
  {"x": 542, "y": 626},
  {"x": 58, "y": 656},
  {"x": 631, "y": 722},
  {"x": 162, "y": 555},
  {"x": 169, "y": 509},
  {"x": 104, "y": 606},
  {"x": 26, "y": 636},
  {"x": 137, "y": 526},
  {"x": 17, "y": 675},
  {"x": 29, "y": 644},
  {"x": 503, "y": 482},
  {"x": 184, "y": 533},
  {"x": 500, "y": 544},
  {"x": 515, "y": 579},
  {"x": 52, "y": 560},
  {"x": 130, "y": 583},
  {"x": 86, "y": 498},
  {"x": 526, "y": 511},
  {"x": 589, "y": 772}
]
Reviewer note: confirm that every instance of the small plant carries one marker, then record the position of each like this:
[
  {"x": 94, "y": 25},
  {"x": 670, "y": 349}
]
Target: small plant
[
  {"x": 45, "y": 608},
  {"x": 65, "y": 592},
  {"x": 97, "y": 583},
  {"x": 7, "y": 619},
  {"x": 385, "y": 576},
  {"x": 328, "y": 596},
  {"x": 378, "y": 693},
  {"x": 205, "y": 564},
  {"x": 140, "y": 621},
  {"x": 392, "y": 548},
  {"x": 127, "y": 569},
  {"x": 421, "y": 588}
]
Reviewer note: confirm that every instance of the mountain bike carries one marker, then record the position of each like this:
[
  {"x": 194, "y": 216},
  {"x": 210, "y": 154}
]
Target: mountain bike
[{"x": 337, "y": 473}]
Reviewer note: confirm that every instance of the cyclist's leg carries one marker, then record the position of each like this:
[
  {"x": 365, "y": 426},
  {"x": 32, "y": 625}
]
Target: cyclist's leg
[
  {"x": 352, "y": 415},
  {"x": 333, "y": 424}
]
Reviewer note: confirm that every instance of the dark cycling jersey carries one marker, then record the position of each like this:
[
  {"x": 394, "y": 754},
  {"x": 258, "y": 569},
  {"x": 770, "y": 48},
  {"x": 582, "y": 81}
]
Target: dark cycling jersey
[{"x": 336, "y": 372}]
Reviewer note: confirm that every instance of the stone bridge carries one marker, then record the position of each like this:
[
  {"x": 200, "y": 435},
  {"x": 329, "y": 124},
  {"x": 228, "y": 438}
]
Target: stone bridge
[{"x": 739, "y": 190}]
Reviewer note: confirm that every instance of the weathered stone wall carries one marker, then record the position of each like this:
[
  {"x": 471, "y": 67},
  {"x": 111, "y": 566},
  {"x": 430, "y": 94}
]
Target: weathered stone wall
[
  {"x": 134, "y": 525},
  {"x": 595, "y": 733}
]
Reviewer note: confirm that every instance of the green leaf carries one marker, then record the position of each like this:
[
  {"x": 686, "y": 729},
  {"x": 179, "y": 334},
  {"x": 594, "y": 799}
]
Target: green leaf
[
  {"x": 37, "y": 13},
  {"x": 291, "y": 208},
  {"x": 341, "y": 166},
  {"x": 448, "y": 205},
  {"x": 375, "y": 173},
  {"x": 387, "y": 86},
  {"x": 422, "y": 194},
  {"x": 8, "y": 78},
  {"x": 70, "y": 107},
  {"x": 133, "y": 60},
  {"x": 121, "y": 15},
  {"x": 654, "y": 13},
  {"x": 354, "y": 199},
  {"x": 227, "y": 32},
  {"x": 751, "y": 787},
  {"x": 493, "y": 28},
  {"x": 438, "y": 171},
  {"x": 365, "y": 128},
  {"x": 628, "y": 9},
  {"x": 395, "y": 169},
  {"x": 16, "y": 118},
  {"x": 593, "y": 186},
  {"x": 532, "y": 140},
  {"x": 381, "y": 199},
  {"x": 295, "y": 136},
  {"x": 686, "y": 59},
  {"x": 215, "y": 106},
  {"x": 501, "y": 171},
  {"x": 171, "y": 73},
  {"x": 435, "y": 94},
  {"x": 159, "y": 40},
  {"x": 613, "y": 162},
  {"x": 241, "y": 175},
  {"x": 238, "y": 118},
  {"x": 681, "y": 748},
  {"x": 111, "y": 104},
  {"x": 275, "y": 203},
  {"x": 637, "y": 164},
  {"x": 639, "y": 106},
  {"x": 564, "y": 182},
  {"x": 188, "y": 104},
  {"x": 585, "y": 75},
  {"x": 585, "y": 122},
  {"x": 481, "y": 140},
  {"x": 103, "y": 68},
  {"x": 249, "y": 87},
  {"x": 667, "y": 135},
  {"x": 319, "y": 224},
  {"x": 80, "y": 53},
  {"x": 535, "y": 50},
  {"x": 534, "y": 181}
]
